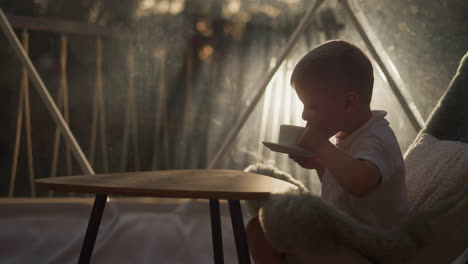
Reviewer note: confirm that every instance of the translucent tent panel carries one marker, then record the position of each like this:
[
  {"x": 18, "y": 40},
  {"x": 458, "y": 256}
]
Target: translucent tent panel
[
  {"x": 424, "y": 41},
  {"x": 383, "y": 96},
  {"x": 281, "y": 106},
  {"x": 198, "y": 67}
]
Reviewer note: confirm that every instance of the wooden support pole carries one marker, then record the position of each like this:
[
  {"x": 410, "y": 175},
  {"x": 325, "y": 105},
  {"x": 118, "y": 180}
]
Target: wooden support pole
[
  {"x": 187, "y": 124},
  {"x": 102, "y": 111},
  {"x": 160, "y": 121},
  {"x": 44, "y": 93},
  {"x": 134, "y": 112},
  {"x": 98, "y": 117},
  {"x": 131, "y": 116},
  {"x": 27, "y": 119},
  {"x": 166, "y": 138},
  {"x": 64, "y": 107},
  {"x": 23, "y": 110},
  {"x": 64, "y": 86},
  {"x": 19, "y": 123},
  {"x": 94, "y": 119},
  {"x": 126, "y": 129}
]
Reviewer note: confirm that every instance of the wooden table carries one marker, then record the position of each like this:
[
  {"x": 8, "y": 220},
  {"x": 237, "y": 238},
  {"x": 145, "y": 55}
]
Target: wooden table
[{"x": 204, "y": 184}]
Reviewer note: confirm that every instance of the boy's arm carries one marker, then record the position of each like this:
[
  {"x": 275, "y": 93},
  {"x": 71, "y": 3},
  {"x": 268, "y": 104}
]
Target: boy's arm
[
  {"x": 357, "y": 176},
  {"x": 311, "y": 164}
]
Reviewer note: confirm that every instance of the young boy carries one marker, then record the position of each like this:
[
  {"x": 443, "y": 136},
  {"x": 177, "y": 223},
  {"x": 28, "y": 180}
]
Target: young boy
[{"x": 363, "y": 174}]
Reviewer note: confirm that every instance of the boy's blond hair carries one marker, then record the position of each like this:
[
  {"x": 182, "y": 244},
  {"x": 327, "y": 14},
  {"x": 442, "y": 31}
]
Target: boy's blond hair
[{"x": 337, "y": 60}]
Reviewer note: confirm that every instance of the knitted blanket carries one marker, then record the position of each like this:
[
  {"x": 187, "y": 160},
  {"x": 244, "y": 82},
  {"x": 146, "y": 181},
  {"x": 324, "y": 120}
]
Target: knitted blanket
[{"x": 298, "y": 222}]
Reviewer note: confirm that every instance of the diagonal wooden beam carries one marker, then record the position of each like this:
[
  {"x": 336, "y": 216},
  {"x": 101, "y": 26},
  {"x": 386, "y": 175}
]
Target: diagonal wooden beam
[
  {"x": 403, "y": 97},
  {"x": 44, "y": 94},
  {"x": 263, "y": 84}
]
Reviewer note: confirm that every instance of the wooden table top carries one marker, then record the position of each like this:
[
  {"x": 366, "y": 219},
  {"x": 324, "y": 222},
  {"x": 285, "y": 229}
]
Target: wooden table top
[{"x": 207, "y": 184}]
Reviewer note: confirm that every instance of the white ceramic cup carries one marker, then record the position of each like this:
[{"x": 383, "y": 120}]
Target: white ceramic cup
[{"x": 289, "y": 135}]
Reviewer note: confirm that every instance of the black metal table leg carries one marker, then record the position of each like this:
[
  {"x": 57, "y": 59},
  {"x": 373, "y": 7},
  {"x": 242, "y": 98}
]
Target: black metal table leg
[
  {"x": 239, "y": 231},
  {"x": 93, "y": 228},
  {"x": 216, "y": 232}
]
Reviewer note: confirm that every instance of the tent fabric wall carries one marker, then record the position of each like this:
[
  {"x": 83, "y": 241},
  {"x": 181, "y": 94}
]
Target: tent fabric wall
[{"x": 211, "y": 64}]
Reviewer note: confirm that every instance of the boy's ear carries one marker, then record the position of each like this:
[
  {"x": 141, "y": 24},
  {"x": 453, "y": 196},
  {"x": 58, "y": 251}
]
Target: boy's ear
[{"x": 351, "y": 101}]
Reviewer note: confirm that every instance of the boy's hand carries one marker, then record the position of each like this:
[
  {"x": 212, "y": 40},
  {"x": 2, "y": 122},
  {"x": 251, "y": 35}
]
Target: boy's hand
[
  {"x": 308, "y": 163},
  {"x": 312, "y": 138},
  {"x": 311, "y": 164}
]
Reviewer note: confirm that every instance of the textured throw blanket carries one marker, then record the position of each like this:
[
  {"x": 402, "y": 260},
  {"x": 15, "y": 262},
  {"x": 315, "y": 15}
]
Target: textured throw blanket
[
  {"x": 298, "y": 222},
  {"x": 436, "y": 169}
]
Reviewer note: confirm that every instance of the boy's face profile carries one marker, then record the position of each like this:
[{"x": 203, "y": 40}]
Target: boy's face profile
[
  {"x": 323, "y": 108},
  {"x": 334, "y": 82}
]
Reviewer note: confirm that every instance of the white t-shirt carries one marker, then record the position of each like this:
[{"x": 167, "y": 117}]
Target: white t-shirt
[{"x": 386, "y": 205}]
